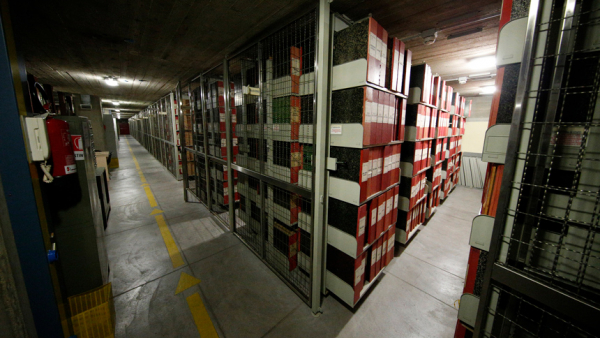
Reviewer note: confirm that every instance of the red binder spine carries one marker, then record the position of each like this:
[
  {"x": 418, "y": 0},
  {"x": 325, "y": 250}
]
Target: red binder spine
[
  {"x": 374, "y": 116},
  {"x": 407, "y": 65},
  {"x": 380, "y": 115},
  {"x": 361, "y": 225},
  {"x": 295, "y": 68},
  {"x": 389, "y": 204},
  {"x": 373, "y": 63},
  {"x": 380, "y": 214},
  {"x": 395, "y": 205},
  {"x": 373, "y": 206},
  {"x": 367, "y": 115},
  {"x": 364, "y": 174}
]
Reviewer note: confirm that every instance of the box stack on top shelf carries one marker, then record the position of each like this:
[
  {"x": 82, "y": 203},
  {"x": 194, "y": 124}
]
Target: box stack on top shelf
[
  {"x": 368, "y": 102},
  {"x": 156, "y": 128}
]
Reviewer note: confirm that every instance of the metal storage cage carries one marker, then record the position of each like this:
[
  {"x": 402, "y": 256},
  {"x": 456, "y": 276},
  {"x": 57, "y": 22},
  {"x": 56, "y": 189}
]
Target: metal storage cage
[
  {"x": 156, "y": 129},
  {"x": 252, "y": 148},
  {"x": 542, "y": 277}
]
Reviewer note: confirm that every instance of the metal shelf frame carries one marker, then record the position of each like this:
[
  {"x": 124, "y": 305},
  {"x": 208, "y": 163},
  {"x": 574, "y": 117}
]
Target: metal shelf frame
[
  {"x": 519, "y": 284},
  {"x": 315, "y": 25}
]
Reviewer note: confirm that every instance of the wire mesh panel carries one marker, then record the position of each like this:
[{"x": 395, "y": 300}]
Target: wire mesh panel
[
  {"x": 288, "y": 94},
  {"x": 516, "y": 315},
  {"x": 553, "y": 214},
  {"x": 272, "y": 106},
  {"x": 555, "y": 221}
]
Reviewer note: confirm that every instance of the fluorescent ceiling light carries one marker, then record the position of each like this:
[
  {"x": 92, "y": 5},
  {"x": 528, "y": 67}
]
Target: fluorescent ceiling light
[
  {"x": 118, "y": 116},
  {"x": 123, "y": 80},
  {"x": 115, "y": 103},
  {"x": 487, "y": 90},
  {"x": 117, "y": 109},
  {"x": 111, "y": 81},
  {"x": 485, "y": 62}
]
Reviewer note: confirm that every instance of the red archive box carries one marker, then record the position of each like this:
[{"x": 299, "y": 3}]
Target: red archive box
[
  {"x": 378, "y": 256},
  {"x": 386, "y": 176},
  {"x": 401, "y": 121},
  {"x": 389, "y": 205},
  {"x": 295, "y": 68},
  {"x": 382, "y": 40},
  {"x": 390, "y": 121},
  {"x": 376, "y": 158},
  {"x": 371, "y": 262},
  {"x": 348, "y": 269},
  {"x": 420, "y": 82},
  {"x": 381, "y": 112},
  {"x": 434, "y": 122},
  {"x": 449, "y": 93},
  {"x": 381, "y": 203},
  {"x": 407, "y": 72},
  {"x": 391, "y": 239},
  {"x": 395, "y": 204},
  {"x": 345, "y": 110},
  {"x": 442, "y": 99},
  {"x": 372, "y": 216},
  {"x": 384, "y": 249},
  {"x": 391, "y": 76},
  {"x": 352, "y": 220},
  {"x": 226, "y": 192},
  {"x": 411, "y": 158},
  {"x": 416, "y": 117},
  {"x": 436, "y": 92}
]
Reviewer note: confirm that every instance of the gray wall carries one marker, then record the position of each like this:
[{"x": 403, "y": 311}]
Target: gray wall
[{"x": 95, "y": 116}]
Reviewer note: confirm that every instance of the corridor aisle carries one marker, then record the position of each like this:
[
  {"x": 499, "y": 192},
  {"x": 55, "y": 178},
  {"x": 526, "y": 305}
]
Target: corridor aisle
[{"x": 164, "y": 274}]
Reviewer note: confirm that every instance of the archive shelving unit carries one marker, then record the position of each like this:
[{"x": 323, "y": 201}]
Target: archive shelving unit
[
  {"x": 157, "y": 130},
  {"x": 295, "y": 142}
]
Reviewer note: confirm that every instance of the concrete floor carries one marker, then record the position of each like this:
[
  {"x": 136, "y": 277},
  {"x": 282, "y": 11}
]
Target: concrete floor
[{"x": 414, "y": 298}]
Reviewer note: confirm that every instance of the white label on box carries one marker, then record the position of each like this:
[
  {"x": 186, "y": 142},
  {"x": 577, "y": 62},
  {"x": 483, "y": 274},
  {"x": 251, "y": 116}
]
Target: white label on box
[
  {"x": 380, "y": 113},
  {"x": 380, "y": 212},
  {"x": 378, "y": 253},
  {"x": 275, "y": 127},
  {"x": 379, "y": 50},
  {"x": 371, "y": 173},
  {"x": 70, "y": 169},
  {"x": 221, "y": 117},
  {"x": 361, "y": 226},
  {"x": 396, "y": 200},
  {"x": 336, "y": 129},
  {"x": 373, "y": 45},
  {"x": 365, "y": 171},
  {"x": 359, "y": 272},
  {"x": 389, "y": 203},
  {"x": 391, "y": 242},
  {"x": 295, "y": 66},
  {"x": 373, "y": 216}
]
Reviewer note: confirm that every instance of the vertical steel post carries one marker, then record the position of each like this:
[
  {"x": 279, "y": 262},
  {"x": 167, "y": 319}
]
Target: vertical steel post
[
  {"x": 320, "y": 142},
  {"x": 230, "y": 190},
  {"x": 205, "y": 138},
  {"x": 182, "y": 142}
]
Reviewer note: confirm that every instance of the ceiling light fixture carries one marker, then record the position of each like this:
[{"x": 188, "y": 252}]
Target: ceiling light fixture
[
  {"x": 115, "y": 103},
  {"x": 111, "y": 81},
  {"x": 123, "y": 80},
  {"x": 487, "y": 90},
  {"x": 485, "y": 62},
  {"x": 118, "y": 116},
  {"x": 117, "y": 109}
]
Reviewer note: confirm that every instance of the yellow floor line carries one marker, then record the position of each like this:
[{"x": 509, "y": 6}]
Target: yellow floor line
[
  {"x": 204, "y": 324},
  {"x": 201, "y": 318},
  {"x": 176, "y": 258},
  {"x": 150, "y": 196}
]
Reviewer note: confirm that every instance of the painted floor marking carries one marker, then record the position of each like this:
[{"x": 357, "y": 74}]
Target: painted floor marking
[
  {"x": 185, "y": 282},
  {"x": 174, "y": 253},
  {"x": 201, "y": 318}
]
